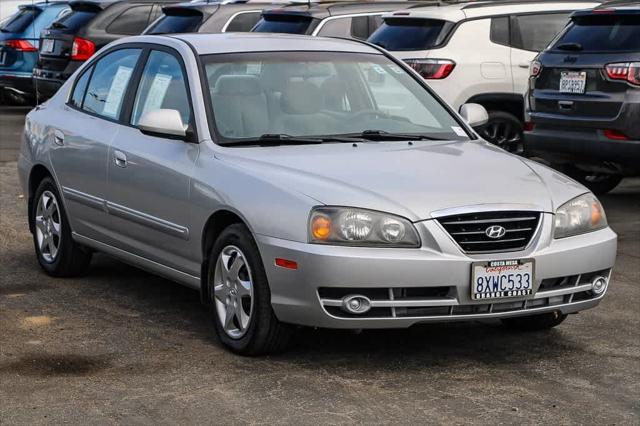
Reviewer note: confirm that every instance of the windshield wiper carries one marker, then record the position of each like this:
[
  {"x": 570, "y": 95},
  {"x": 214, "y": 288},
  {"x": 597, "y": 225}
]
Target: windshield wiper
[
  {"x": 381, "y": 135},
  {"x": 276, "y": 139},
  {"x": 570, "y": 46}
]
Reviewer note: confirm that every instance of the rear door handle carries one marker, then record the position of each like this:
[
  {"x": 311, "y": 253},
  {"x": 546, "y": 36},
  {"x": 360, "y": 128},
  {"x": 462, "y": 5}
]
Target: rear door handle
[
  {"x": 58, "y": 137},
  {"x": 524, "y": 65},
  {"x": 120, "y": 159}
]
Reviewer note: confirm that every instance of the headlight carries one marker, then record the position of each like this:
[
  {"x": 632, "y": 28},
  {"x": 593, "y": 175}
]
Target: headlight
[
  {"x": 580, "y": 215},
  {"x": 360, "y": 227}
]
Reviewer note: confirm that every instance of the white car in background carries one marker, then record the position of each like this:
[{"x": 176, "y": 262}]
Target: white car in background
[
  {"x": 9, "y": 7},
  {"x": 478, "y": 53}
]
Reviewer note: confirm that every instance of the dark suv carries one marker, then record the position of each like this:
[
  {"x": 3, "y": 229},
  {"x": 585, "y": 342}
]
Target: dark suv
[
  {"x": 584, "y": 98},
  {"x": 75, "y": 37}
]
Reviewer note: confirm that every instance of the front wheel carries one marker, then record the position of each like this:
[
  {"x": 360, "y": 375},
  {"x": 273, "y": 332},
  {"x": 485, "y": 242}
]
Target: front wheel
[
  {"x": 535, "y": 322},
  {"x": 241, "y": 300}
]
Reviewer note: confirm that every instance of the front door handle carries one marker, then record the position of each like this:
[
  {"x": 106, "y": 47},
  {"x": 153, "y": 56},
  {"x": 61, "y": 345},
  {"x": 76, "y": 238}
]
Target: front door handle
[
  {"x": 525, "y": 65},
  {"x": 120, "y": 159},
  {"x": 58, "y": 137}
]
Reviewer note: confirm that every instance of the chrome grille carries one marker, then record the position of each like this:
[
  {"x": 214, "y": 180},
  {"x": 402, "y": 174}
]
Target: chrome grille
[{"x": 470, "y": 230}]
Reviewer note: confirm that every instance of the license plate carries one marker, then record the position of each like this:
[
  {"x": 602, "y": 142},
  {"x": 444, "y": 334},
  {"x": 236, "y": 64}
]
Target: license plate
[
  {"x": 48, "y": 45},
  {"x": 501, "y": 279},
  {"x": 573, "y": 82}
]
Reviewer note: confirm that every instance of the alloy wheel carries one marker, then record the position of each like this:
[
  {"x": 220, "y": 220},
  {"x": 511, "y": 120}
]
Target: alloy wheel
[
  {"x": 233, "y": 291},
  {"x": 48, "y": 226},
  {"x": 503, "y": 134}
]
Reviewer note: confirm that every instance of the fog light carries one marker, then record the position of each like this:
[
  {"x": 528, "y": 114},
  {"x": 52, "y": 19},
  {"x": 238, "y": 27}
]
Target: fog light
[
  {"x": 356, "y": 304},
  {"x": 599, "y": 285}
]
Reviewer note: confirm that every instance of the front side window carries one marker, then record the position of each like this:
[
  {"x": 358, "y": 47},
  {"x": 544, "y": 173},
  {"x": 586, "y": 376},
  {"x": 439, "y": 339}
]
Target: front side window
[
  {"x": 131, "y": 22},
  {"x": 316, "y": 94},
  {"x": 535, "y": 32},
  {"x": 243, "y": 22},
  {"x": 109, "y": 83},
  {"x": 602, "y": 33},
  {"x": 163, "y": 86}
]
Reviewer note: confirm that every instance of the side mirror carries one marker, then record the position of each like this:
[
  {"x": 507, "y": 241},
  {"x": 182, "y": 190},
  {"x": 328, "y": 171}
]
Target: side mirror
[
  {"x": 163, "y": 122},
  {"x": 474, "y": 114}
]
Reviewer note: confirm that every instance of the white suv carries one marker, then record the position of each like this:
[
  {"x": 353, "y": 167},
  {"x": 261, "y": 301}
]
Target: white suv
[{"x": 478, "y": 52}]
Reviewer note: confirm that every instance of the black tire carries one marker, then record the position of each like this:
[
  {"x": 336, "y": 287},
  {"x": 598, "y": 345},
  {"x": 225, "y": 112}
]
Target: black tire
[
  {"x": 598, "y": 183},
  {"x": 535, "y": 322},
  {"x": 265, "y": 334},
  {"x": 71, "y": 259},
  {"x": 504, "y": 130}
]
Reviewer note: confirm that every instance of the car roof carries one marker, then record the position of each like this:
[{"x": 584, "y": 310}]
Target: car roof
[
  {"x": 208, "y": 44},
  {"x": 335, "y": 8},
  {"x": 465, "y": 10}
]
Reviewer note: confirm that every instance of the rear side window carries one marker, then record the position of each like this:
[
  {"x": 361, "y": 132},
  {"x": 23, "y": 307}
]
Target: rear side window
[
  {"x": 20, "y": 21},
  {"x": 109, "y": 83},
  {"x": 131, "y": 22},
  {"x": 75, "y": 20},
  {"x": 411, "y": 33},
  {"x": 602, "y": 33},
  {"x": 291, "y": 24},
  {"x": 500, "y": 31},
  {"x": 535, "y": 32},
  {"x": 178, "y": 23},
  {"x": 80, "y": 88},
  {"x": 243, "y": 22}
]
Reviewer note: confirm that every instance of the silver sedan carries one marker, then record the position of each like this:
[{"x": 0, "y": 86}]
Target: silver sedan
[{"x": 303, "y": 181}]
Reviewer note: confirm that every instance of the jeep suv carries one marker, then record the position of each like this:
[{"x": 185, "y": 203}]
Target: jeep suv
[
  {"x": 75, "y": 37},
  {"x": 478, "y": 52},
  {"x": 584, "y": 98}
]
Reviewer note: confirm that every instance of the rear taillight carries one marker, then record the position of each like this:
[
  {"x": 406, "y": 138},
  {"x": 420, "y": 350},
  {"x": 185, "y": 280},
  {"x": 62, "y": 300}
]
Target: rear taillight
[
  {"x": 529, "y": 126},
  {"x": 628, "y": 71},
  {"x": 615, "y": 135},
  {"x": 432, "y": 69},
  {"x": 535, "y": 68},
  {"x": 20, "y": 45},
  {"x": 82, "y": 49}
]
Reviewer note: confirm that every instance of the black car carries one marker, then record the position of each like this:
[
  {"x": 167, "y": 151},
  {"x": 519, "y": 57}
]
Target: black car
[
  {"x": 355, "y": 19},
  {"x": 76, "y": 36},
  {"x": 584, "y": 98},
  {"x": 207, "y": 17}
]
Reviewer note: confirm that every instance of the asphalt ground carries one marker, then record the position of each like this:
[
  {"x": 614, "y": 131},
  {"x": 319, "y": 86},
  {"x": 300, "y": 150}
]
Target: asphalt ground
[{"x": 121, "y": 346}]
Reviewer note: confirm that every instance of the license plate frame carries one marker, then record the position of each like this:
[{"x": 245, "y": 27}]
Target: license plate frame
[
  {"x": 573, "y": 82},
  {"x": 48, "y": 45},
  {"x": 504, "y": 287}
]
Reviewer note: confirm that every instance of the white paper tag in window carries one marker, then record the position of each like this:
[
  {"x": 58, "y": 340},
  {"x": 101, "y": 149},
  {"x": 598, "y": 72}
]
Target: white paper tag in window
[
  {"x": 459, "y": 131},
  {"x": 157, "y": 92},
  {"x": 116, "y": 91}
]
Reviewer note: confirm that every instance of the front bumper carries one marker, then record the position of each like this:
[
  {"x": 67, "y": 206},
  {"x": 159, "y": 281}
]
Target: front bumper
[{"x": 303, "y": 296}]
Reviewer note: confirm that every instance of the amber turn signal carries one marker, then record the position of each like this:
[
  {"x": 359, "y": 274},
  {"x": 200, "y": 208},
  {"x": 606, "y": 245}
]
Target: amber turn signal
[{"x": 321, "y": 227}]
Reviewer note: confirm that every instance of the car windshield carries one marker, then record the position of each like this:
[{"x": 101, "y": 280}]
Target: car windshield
[
  {"x": 602, "y": 33},
  {"x": 316, "y": 94}
]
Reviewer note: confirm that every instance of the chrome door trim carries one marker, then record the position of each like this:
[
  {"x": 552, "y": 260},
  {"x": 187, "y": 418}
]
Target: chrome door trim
[
  {"x": 242, "y": 12},
  {"x": 84, "y": 198},
  {"x": 351, "y": 15},
  {"x": 183, "y": 278},
  {"x": 148, "y": 220}
]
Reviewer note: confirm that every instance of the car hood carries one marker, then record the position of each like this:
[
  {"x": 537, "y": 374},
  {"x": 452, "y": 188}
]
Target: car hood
[{"x": 416, "y": 181}]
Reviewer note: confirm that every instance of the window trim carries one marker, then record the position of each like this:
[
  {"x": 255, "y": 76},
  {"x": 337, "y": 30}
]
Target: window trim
[
  {"x": 235, "y": 15},
  {"x": 322, "y": 23},
  {"x": 124, "y": 118}
]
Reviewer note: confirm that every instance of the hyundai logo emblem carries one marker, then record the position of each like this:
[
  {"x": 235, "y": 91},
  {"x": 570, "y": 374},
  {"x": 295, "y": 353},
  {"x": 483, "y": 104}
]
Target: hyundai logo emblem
[{"x": 495, "y": 232}]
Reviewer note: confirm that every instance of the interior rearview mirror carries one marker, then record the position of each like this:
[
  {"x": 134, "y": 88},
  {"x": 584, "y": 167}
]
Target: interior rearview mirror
[
  {"x": 163, "y": 122},
  {"x": 474, "y": 114}
]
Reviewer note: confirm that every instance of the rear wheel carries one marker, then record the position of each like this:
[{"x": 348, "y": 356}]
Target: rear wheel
[
  {"x": 240, "y": 296},
  {"x": 504, "y": 130},
  {"x": 57, "y": 253},
  {"x": 535, "y": 322},
  {"x": 598, "y": 183}
]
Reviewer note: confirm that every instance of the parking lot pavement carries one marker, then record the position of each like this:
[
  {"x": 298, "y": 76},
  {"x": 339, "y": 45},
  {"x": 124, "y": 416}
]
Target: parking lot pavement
[{"x": 123, "y": 346}]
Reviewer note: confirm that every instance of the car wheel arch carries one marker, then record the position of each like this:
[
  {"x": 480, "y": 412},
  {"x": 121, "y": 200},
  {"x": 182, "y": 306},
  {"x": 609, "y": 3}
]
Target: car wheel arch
[{"x": 505, "y": 102}]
